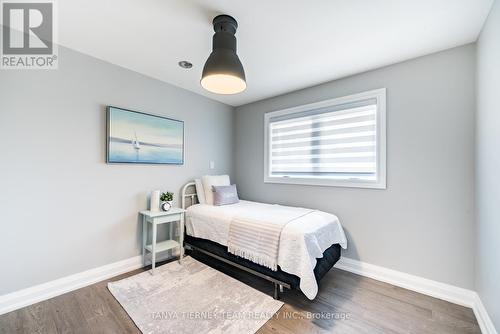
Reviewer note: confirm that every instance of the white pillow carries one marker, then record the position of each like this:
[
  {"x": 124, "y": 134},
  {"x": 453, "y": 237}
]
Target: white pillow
[
  {"x": 213, "y": 180},
  {"x": 199, "y": 191}
]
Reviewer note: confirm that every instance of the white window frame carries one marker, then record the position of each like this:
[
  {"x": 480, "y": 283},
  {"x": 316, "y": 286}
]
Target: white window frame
[{"x": 379, "y": 183}]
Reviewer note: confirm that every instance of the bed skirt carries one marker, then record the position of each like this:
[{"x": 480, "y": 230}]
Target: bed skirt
[{"x": 323, "y": 265}]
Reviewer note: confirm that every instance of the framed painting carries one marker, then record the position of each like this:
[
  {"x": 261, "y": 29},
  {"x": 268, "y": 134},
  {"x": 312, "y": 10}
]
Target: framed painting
[{"x": 136, "y": 137}]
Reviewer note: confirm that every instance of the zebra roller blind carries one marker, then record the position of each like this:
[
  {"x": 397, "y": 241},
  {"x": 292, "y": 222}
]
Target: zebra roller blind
[{"x": 337, "y": 142}]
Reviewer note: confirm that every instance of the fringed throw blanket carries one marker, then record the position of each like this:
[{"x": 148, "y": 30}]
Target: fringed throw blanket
[{"x": 256, "y": 237}]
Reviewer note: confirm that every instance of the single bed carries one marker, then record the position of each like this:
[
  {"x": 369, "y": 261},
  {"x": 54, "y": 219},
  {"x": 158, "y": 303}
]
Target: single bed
[{"x": 309, "y": 245}]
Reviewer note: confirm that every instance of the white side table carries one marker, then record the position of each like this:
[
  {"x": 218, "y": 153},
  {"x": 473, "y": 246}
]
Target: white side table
[{"x": 157, "y": 218}]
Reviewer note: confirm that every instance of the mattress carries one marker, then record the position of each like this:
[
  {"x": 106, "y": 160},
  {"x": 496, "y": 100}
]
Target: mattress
[
  {"x": 302, "y": 240},
  {"x": 212, "y": 222}
]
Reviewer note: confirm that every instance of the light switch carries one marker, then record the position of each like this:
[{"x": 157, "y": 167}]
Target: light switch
[{"x": 212, "y": 164}]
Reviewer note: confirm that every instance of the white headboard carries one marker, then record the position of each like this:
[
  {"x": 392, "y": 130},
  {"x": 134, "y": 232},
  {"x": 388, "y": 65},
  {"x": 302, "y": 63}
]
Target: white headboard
[{"x": 189, "y": 192}]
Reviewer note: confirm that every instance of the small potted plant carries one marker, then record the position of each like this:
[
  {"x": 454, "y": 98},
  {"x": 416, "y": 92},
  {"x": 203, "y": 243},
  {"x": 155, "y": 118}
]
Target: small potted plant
[{"x": 166, "y": 200}]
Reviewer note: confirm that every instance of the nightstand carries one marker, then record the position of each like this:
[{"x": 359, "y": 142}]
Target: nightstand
[{"x": 172, "y": 216}]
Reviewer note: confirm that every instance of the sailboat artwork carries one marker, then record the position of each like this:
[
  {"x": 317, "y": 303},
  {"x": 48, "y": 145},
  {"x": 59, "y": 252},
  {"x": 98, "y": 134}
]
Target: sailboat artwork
[
  {"x": 137, "y": 146},
  {"x": 135, "y": 142},
  {"x": 135, "y": 137}
]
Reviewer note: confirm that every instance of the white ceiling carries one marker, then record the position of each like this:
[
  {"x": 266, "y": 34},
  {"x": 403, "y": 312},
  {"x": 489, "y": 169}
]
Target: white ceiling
[{"x": 284, "y": 45}]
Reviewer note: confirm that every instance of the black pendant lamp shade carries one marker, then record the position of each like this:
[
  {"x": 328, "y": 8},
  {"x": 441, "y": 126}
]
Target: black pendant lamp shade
[{"x": 223, "y": 72}]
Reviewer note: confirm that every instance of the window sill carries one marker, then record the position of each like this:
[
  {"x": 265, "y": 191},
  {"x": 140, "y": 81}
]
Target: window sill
[{"x": 380, "y": 184}]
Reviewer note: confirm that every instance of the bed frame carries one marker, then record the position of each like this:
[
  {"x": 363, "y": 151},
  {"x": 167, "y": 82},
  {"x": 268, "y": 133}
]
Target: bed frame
[{"x": 213, "y": 250}]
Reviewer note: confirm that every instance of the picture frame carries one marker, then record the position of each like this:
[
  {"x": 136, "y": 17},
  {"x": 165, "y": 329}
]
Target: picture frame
[{"x": 134, "y": 137}]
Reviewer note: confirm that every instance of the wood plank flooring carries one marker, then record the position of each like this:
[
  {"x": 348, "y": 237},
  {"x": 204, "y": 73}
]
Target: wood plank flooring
[{"x": 346, "y": 303}]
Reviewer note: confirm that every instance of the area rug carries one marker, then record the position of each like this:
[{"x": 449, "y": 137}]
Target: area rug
[{"x": 192, "y": 298}]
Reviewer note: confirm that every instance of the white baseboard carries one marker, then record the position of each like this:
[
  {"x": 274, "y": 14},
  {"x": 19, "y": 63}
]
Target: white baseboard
[
  {"x": 37, "y": 293},
  {"x": 482, "y": 317},
  {"x": 424, "y": 286}
]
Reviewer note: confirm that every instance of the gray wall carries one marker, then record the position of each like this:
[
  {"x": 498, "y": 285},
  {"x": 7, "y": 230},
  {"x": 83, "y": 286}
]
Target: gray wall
[
  {"x": 64, "y": 210},
  {"x": 488, "y": 165},
  {"x": 423, "y": 224}
]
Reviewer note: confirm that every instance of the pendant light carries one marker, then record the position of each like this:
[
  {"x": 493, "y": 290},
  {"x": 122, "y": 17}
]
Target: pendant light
[{"x": 223, "y": 72}]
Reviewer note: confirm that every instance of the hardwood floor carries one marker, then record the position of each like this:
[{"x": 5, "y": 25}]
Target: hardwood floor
[{"x": 347, "y": 303}]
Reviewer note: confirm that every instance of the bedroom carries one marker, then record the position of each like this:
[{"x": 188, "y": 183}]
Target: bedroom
[{"x": 416, "y": 203}]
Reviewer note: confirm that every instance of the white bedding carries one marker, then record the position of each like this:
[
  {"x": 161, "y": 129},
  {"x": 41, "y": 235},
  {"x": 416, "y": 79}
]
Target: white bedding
[{"x": 301, "y": 242}]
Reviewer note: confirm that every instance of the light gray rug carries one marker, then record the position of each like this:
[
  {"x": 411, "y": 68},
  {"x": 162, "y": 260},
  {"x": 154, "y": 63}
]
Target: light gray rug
[{"x": 192, "y": 298}]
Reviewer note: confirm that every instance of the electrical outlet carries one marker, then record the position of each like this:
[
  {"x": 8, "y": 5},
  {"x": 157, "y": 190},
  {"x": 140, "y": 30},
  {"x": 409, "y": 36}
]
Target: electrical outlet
[{"x": 212, "y": 164}]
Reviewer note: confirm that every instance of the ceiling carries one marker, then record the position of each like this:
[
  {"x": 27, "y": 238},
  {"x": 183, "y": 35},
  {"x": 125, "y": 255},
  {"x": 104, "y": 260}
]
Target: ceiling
[{"x": 284, "y": 45}]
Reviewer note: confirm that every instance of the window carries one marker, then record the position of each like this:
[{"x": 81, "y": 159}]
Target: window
[{"x": 339, "y": 142}]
